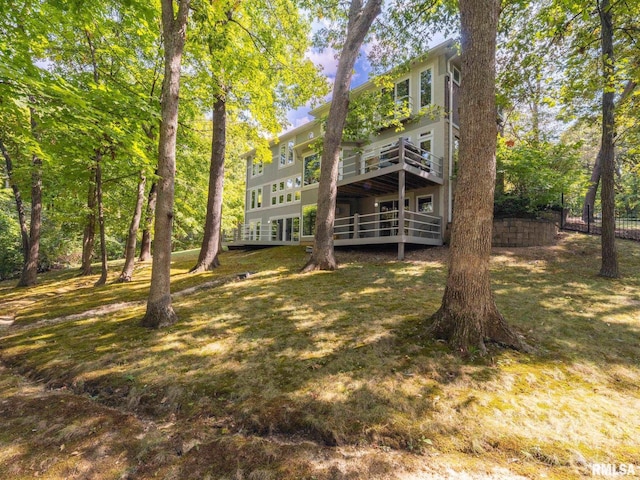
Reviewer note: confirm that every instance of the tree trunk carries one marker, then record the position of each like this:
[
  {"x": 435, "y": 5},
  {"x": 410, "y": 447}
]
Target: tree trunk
[
  {"x": 160, "y": 312},
  {"x": 145, "y": 243},
  {"x": 609, "y": 266},
  {"x": 130, "y": 249},
  {"x": 208, "y": 258},
  {"x": 29, "y": 274},
  {"x": 90, "y": 227},
  {"x": 360, "y": 20},
  {"x": 103, "y": 241},
  {"x": 22, "y": 219},
  {"x": 468, "y": 316},
  {"x": 590, "y": 197}
]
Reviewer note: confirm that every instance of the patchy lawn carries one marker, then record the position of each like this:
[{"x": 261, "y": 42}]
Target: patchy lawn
[{"x": 323, "y": 375}]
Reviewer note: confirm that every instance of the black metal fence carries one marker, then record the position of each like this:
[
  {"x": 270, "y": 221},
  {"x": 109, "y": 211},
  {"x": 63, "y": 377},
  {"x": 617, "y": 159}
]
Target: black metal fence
[{"x": 626, "y": 226}]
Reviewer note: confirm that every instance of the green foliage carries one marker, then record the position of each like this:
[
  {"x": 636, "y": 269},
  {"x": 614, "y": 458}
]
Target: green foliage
[
  {"x": 535, "y": 175},
  {"x": 10, "y": 246}
]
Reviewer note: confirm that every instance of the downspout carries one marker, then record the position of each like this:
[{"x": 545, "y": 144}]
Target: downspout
[{"x": 450, "y": 202}]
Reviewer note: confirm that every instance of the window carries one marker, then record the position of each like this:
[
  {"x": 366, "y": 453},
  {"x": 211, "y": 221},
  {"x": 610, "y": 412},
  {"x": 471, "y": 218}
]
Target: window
[
  {"x": 286, "y": 154},
  {"x": 309, "y": 213},
  {"x": 402, "y": 94},
  {"x": 456, "y": 75},
  {"x": 290, "y": 153},
  {"x": 255, "y": 198},
  {"x": 285, "y": 229},
  {"x": 283, "y": 155},
  {"x": 425, "y": 141},
  {"x": 285, "y": 191},
  {"x": 424, "y": 204},
  {"x": 256, "y": 167},
  {"x": 311, "y": 169},
  {"x": 425, "y": 88}
]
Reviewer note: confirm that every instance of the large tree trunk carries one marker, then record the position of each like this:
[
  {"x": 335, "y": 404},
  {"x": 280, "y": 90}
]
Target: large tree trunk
[
  {"x": 160, "y": 312},
  {"x": 609, "y": 266},
  {"x": 468, "y": 316},
  {"x": 145, "y": 242},
  {"x": 208, "y": 258},
  {"x": 29, "y": 274},
  {"x": 22, "y": 219},
  {"x": 103, "y": 241},
  {"x": 88, "y": 238},
  {"x": 360, "y": 20},
  {"x": 130, "y": 249},
  {"x": 594, "y": 181}
]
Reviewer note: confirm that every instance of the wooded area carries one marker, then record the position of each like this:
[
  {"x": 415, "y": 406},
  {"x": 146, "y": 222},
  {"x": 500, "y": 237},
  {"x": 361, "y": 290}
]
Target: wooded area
[{"x": 92, "y": 127}]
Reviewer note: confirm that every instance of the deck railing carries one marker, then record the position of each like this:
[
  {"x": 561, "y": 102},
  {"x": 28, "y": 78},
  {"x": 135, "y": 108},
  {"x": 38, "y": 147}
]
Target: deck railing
[
  {"x": 263, "y": 234},
  {"x": 373, "y": 225},
  {"x": 385, "y": 224},
  {"x": 384, "y": 157}
]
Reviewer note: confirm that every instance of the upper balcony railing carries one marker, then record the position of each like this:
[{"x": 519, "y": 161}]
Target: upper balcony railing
[{"x": 399, "y": 152}]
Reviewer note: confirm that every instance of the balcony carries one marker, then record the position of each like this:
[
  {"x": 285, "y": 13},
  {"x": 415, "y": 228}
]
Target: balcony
[{"x": 375, "y": 172}]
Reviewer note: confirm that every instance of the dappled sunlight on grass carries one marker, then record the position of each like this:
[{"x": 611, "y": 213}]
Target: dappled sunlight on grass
[{"x": 341, "y": 358}]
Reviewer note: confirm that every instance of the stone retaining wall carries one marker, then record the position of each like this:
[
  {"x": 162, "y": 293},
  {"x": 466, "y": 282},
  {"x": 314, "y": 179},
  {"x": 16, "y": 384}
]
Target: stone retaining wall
[{"x": 524, "y": 232}]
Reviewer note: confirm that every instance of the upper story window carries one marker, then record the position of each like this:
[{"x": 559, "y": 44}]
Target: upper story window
[
  {"x": 311, "y": 173},
  {"x": 287, "y": 154},
  {"x": 401, "y": 94},
  {"x": 257, "y": 168},
  {"x": 456, "y": 75},
  {"x": 426, "y": 81}
]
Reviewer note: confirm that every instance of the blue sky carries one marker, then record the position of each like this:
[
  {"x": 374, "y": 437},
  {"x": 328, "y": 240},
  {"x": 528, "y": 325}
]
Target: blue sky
[
  {"x": 326, "y": 59},
  {"x": 328, "y": 62}
]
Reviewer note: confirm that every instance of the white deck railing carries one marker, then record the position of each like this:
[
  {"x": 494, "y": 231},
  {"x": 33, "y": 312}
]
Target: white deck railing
[{"x": 383, "y": 157}]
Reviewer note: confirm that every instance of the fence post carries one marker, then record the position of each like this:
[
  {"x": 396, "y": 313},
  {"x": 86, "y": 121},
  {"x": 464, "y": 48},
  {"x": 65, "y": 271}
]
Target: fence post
[{"x": 356, "y": 226}]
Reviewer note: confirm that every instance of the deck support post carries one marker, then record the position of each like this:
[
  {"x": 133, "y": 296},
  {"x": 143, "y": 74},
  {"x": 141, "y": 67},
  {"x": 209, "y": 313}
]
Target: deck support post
[
  {"x": 401, "y": 196},
  {"x": 356, "y": 226}
]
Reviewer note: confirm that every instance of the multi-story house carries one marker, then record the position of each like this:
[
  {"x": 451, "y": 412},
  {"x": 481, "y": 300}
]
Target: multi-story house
[{"x": 394, "y": 186}]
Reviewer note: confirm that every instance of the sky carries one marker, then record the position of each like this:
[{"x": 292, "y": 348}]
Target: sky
[{"x": 328, "y": 62}]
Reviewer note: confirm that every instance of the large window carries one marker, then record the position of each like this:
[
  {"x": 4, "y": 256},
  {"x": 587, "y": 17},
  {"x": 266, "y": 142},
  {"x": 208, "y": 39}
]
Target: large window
[
  {"x": 285, "y": 229},
  {"x": 311, "y": 169},
  {"x": 426, "y": 143},
  {"x": 425, "y": 88},
  {"x": 309, "y": 214},
  {"x": 286, "y": 191},
  {"x": 255, "y": 198},
  {"x": 402, "y": 94},
  {"x": 287, "y": 154}
]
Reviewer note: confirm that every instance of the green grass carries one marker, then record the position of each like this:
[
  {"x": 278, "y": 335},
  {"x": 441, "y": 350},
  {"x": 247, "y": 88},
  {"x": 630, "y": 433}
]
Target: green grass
[{"x": 285, "y": 375}]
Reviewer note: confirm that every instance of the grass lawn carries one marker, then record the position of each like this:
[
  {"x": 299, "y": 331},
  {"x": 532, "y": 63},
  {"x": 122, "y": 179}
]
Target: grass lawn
[{"x": 324, "y": 375}]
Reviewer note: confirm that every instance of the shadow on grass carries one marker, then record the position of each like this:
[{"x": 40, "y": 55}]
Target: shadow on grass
[{"x": 340, "y": 358}]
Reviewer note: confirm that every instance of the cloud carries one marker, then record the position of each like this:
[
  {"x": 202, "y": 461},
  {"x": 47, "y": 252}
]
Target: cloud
[{"x": 325, "y": 59}]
